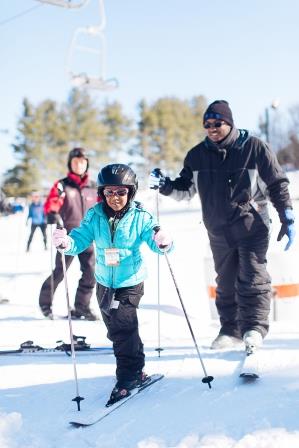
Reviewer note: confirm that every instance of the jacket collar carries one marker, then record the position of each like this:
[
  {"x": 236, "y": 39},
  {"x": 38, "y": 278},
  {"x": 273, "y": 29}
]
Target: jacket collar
[{"x": 81, "y": 181}]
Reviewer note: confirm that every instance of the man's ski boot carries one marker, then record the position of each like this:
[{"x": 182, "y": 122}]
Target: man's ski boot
[
  {"x": 122, "y": 388},
  {"x": 253, "y": 340},
  {"x": 225, "y": 341}
]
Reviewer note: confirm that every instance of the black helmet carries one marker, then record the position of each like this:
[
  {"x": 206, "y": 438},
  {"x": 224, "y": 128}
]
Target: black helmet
[
  {"x": 118, "y": 174},
  {"x": 77, "y": 152}
]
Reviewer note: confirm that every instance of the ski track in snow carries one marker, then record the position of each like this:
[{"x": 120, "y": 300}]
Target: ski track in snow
[{"x": 177, "y": 412}]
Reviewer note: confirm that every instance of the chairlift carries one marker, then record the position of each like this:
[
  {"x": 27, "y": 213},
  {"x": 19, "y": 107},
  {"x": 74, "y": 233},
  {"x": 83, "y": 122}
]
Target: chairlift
[
  {"x": 96, "y": 32},
  {"x": 66, "y": 3},
  {"x": 83, "y": 80}
]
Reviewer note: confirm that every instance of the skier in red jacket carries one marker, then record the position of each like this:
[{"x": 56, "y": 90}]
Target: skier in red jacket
[{"x": 67, "y": 203}]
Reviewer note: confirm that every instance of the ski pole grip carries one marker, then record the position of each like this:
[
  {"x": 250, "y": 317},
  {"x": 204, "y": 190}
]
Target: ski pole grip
[{"x": 59, "y": 225}]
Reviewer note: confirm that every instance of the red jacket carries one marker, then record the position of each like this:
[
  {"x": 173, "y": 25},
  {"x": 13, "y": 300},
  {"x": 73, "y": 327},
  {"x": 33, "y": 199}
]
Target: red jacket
[{"x": 71, "y": 197}]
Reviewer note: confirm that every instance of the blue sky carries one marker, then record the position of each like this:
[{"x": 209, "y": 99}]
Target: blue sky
[{"x": 242, "y": 51}]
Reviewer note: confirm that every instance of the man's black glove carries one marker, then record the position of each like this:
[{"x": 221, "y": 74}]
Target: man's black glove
[
  {"x": 156, "y": 179},
  {"x": 53, "y": 218}
]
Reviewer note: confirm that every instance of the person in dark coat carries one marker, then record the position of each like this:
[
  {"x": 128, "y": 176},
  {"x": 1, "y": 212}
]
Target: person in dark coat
[
  {"x": 38, "y": 219},
  {"x": 234, "y": 174},
  {"x": 66, "y": 204}
]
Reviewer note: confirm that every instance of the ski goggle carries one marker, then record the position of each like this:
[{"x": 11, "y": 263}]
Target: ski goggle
[
  {"x": 216, "y": 124},
  {"x": 119, "y": 192}
]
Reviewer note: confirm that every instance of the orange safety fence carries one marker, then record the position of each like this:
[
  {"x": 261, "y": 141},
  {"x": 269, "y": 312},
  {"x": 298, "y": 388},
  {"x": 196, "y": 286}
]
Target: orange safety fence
[{"x": 279, "y": 291}]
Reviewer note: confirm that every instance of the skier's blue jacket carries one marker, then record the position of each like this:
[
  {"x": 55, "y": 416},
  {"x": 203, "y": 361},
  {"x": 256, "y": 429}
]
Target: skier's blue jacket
[
  {"x": 134, "y": 228},
  {"x": 37, "y": 214}
]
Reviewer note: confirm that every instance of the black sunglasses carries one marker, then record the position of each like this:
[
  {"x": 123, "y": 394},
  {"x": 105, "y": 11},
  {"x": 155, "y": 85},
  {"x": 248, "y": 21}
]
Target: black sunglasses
[
  {"x": 216, "y": 124},
  {"x": 118, "y": 192}
]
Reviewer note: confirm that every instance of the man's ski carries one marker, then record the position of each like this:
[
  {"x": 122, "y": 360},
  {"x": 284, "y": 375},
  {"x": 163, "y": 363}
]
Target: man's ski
[
  {"x": 249, "y": 367},
  {"x": 102, "y": 412},
  {"x": 80, "y": 345}
]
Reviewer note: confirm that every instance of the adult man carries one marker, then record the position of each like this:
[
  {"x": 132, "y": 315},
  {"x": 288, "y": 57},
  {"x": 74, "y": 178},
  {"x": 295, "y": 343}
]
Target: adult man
[
  {"x": 233, "y": 173},
  {"x": 67, "y": 202}
]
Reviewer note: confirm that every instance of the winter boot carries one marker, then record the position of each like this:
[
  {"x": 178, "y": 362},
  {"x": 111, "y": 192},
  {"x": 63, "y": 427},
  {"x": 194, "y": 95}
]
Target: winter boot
[
  {"x": 142, "y": 378},
  {"x": 83, "y": 313},
  {"x": 225, "y": 341},
  {"x": 253, "y": 339},
  {"x": 47, "y": 312},
  {"x": 122, "y": 388}
]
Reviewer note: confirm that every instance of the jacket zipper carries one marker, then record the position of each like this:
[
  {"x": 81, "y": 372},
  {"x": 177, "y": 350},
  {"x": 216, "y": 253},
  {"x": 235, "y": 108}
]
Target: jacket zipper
[{"x": 112, "y": 231}]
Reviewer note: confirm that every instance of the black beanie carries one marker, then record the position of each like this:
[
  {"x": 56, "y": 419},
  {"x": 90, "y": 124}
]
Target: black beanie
[
  {"x": 219, "y": 110},
  {"x": 77, "y": 152}
]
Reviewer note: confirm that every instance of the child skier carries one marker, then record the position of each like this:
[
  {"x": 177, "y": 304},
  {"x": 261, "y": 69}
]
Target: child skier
[{"x": 118, "y": 226}]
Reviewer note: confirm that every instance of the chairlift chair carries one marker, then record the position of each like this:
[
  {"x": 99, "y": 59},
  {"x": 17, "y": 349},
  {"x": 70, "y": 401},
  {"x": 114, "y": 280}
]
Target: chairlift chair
[{"x": 66, "y": 3}]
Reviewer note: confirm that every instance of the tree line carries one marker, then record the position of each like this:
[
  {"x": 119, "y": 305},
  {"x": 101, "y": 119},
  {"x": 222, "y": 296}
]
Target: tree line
[{"x": 160, "y": 136}]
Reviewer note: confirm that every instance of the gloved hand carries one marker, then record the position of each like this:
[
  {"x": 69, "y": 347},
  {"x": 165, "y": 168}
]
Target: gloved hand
[
  {"x": 53, "y": 218},
  {"x": 288, "y": 227},
  {"x": 156, "y": 179},
  {"x": 60, "y": 239},
  {"x": 162, "y": 239}
]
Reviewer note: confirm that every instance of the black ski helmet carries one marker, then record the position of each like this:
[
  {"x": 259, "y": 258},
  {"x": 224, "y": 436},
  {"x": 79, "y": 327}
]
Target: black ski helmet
[
  {"x": 77, "y": 152},
  {"x": 118, "y": 174}
]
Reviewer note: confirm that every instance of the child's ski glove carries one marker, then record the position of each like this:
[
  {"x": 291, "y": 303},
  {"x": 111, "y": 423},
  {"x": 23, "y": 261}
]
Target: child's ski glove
[
  {"x": 162, "y": 239},
  {"x": 60, "y": 239}
]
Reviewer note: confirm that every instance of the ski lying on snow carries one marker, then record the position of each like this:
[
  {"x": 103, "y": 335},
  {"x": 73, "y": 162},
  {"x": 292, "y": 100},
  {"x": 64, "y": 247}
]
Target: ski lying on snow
[
  {"x": 80, "y": 345},
  {"x": 102, "y": 412},
  {"x": 249, "y": 367},
  {"x": 36, "y": 351}
]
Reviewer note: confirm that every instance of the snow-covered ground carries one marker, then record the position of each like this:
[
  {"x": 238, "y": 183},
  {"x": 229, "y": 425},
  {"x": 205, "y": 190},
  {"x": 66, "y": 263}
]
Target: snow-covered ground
[{"x": 180, "y": 411}]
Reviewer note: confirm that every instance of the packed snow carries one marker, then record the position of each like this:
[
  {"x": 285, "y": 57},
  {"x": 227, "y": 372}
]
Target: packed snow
[{"x": 179, "y": 411}]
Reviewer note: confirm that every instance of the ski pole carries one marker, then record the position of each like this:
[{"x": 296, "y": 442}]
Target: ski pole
[
  {"x": 207, "y": 378},
  {"x": 52, "y": 275},
  {"x": 77, "y": 399},
  {"x": 158, "y": 349}
]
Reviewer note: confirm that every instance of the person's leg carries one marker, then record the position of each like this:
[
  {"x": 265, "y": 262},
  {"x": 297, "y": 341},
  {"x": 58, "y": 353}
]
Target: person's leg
[
  {"x": 86, "y": 282},
  {"x": 226, "y": 267},
  {"x": 33, "y": 228},
  {"x": 254, "y": 284},
  {"x": 43, "y": 228},
  {"x": 122, "y": 326},
  {"x": 45, "y": 299}
]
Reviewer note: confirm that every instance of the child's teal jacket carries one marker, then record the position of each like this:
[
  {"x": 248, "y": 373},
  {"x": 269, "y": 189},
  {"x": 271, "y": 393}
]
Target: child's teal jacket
[{"x": 134, "y": 228}]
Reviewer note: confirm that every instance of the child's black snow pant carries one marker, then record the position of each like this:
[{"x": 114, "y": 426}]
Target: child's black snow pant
[{"x": 119, "y": 311}]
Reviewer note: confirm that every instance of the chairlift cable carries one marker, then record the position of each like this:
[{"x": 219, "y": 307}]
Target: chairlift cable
[{"x": 21, "y": 14}]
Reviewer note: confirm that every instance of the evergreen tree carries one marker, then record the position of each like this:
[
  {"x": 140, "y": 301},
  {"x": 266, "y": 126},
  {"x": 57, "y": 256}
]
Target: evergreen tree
[
  {"x": 167, "y": 130},
  {"x": 47, "y": 132}
]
